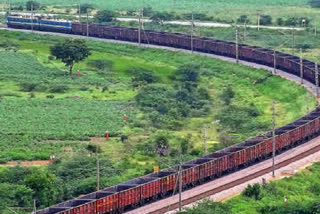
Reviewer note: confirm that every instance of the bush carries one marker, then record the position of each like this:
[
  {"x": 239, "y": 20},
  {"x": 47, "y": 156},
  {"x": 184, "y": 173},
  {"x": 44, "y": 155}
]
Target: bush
[
  {"x": 252, "y": 191},
  {"x": 187, "y": 73},
  {"x": 141, "y": 76},
  {"x": 32, "y": 5},
  {"x": 51, "y": 58},
  {"x": 101, "y": 64},
  {"x": 50, "y": 96},
  {"x": 315, "y": 3},
  {"x": 280, "y": 21},
  {"x": 243, "y": 19},
  {"x": 84, "y": 88},
  {"x": 227, "y": 95},
  {"x": 58, "y": 88},
  {"x": 31, "y": 86},
  {"x": 265, "y": 20},
  {"x": 161, "y": 144},
  {"x": 104, "y": 16}
]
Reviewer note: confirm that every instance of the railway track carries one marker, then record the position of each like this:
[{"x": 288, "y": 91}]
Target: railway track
[
  {"x": 173, "y": 205},
  {"x": 229, "y": 181}
]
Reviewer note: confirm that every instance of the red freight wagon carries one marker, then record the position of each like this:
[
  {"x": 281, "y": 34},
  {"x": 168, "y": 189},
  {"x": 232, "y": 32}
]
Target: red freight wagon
[
  {"x": 236, "y": 156},
  {"x": 204, "y": 167},
  {"x": 129, "y": 195},
  {"x": 282, "y": 139},
  {"x": 105, "y": 201},
  {"x": 168, "y": 180},
  {"x": 149, "y": 186},
  {"x": 77, "y": 206},
  {"x": 221, "y": 162},
  {"x": 53, "y": 210},
  {"x": 190, "y": 174}
]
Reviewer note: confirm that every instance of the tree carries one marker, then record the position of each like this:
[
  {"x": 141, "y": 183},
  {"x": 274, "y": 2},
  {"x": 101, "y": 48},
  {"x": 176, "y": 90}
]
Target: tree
[
  {"x": 32, "y": 5},
  {"x": 84, "y": 8},
  {"x": 104, "y": 16},
  {"x": 187, "y": 73},
  {"x": 71, "y": 52},
  {"x": 314, "y": 3},
  {"x": 160, "y": 18},
  {"x": 243, "y": 19}
]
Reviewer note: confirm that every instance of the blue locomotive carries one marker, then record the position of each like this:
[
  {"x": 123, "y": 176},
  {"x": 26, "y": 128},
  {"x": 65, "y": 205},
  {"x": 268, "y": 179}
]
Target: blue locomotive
[{"x": 40, "y": 24}]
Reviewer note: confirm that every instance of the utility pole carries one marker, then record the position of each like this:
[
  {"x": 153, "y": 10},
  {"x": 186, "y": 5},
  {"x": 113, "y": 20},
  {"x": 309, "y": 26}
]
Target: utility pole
[
  {"x": 237, "y": 46},
  {"x": 258, "y": 14},
  {"x": 180, "y": 184},
  {"x": 317, "y": 79},
  {"x": 34, "y": 207},
  {"x": 205, "y": 127},
  {"x": 301, "y": 66},
  {"x": 9, "y": 7},
  {"x": 139, "y": 30},
  {"x": 274, "y": 63},
  {"x": 315, "y": 30},
  {"x": 293, "y": 41},
  {"x": 98, "y": 174},
  {"x": 79, "y": 12},
  {"x": 192, "y": 29},
  {"x": 245, "y": 31},
  {"x": 273, "y": 137},
  {"x": 32, "y": 17},
  {"x": 87, "y": 22}
]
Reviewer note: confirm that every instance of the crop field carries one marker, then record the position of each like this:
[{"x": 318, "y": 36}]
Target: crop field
[
  {"x": 44, "y": 111},
  {"x": 226, "y": 11}
]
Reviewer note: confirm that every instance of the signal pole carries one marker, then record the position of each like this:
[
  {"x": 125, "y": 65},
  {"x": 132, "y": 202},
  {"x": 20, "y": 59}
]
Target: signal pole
[
  {"x": 98, "y": 174},
  {"x": 317, "y": 79},
  {"x": 293, "y": 41},
  {"x": 301, "y": 66},
  {"x": 258, "y": 14},
  {"x": 274, "y": 63},
  {"x": 237, "y": 46},
  {"x": 205, "y": 139},
  {"x": 273, "y": 137}
]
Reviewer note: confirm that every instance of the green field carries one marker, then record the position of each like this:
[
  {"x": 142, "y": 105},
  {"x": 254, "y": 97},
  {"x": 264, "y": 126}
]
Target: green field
[
  {"x": 301, "y": 191},
  {"x": 44, "y": 111},
  {"x": 225, "y": 11}
]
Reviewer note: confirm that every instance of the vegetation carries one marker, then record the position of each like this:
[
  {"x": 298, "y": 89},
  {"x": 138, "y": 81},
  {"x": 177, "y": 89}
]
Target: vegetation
[
  {"x": 70, "y": 52},
  {"x": 301, "y": 191},
  {"x": 103, "y": 16},
  {"x": 166, "y": 100}
]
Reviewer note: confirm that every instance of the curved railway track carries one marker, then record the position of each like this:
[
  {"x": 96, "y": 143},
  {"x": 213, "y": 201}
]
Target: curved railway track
[{"x": 231, "y": 184}]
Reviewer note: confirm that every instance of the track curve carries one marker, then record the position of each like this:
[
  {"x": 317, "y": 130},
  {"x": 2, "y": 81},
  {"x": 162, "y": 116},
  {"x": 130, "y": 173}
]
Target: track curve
[{"x": 255, "y": 65}]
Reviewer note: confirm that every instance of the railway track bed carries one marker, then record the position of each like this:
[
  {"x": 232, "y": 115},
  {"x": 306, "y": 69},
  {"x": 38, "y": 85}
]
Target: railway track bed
[{"x": 255, "y": 173}]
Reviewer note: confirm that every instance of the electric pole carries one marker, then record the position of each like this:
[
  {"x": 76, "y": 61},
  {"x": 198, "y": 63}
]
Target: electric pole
[
  {"x": 273, "y": 137},
  {"x": 317, "y": 78},
  {"x": 139, "y": 30},
  {"x": 301, "y": 66},
  {"x": 34, "y": 207},
  {"x": 98, "y": 174},
  {"x": 79, "y": 12},
  {"x": 205, "y": 127},
  {"x": 87, "y": 22},
  {"x": 180, "y": 184},
  {"x": 315, "y": 30},
  {"x": 293, "y": 41},
  {"x": 274, "y": 63},
  {"x": 32, "y": 16},
  {"x": 192, "y": 29},
  {"x": 245, "y": 31},
  {"x": 237, "y": 46},
  {"x": 258, "y": 14}
]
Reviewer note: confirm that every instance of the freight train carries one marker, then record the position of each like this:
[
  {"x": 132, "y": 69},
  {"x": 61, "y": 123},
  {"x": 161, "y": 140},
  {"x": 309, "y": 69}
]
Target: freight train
[{"x": 157, "y": 185}]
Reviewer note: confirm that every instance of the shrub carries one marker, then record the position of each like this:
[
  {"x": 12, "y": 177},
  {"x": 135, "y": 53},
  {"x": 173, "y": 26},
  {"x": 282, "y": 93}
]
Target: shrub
[
  {"x": 32, "y": 86},
  {"x": 124, "y": 138},
  {"x": 252, "y": 191},
  {"x": 101, "y": 64},
  {"x": 58, "y": 88},
  {"x": 227, "y": 95},
  {"x": 51, "y": 57},
  {"x": 141, "y": 75},
  {"x": 243, "y": 19},
  {"x": 265, "y": 20},
  {"x": 161, "y": 144},
  {"x": 314, "y": 3},
  {"x": 187, "y": 73},
  {"x": 104, "y": 16},
  {"x": 84, "y": 88},
  {"x": 50, "y": 96},
  {"x": 280, "y": 21}
]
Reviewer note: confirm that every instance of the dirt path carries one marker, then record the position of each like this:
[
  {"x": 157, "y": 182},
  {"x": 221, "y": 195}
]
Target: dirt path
[{"x": 26, "y": 163}]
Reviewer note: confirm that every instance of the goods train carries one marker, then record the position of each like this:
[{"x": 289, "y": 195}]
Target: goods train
[{"x": 154, "y": 186}]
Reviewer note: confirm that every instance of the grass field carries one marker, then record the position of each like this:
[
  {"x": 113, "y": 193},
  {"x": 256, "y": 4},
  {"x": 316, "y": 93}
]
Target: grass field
[{"x": 43, "y": 111}]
